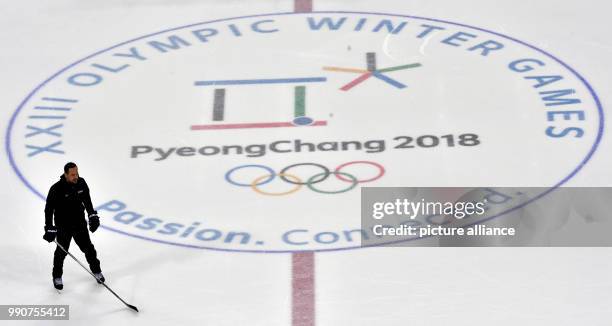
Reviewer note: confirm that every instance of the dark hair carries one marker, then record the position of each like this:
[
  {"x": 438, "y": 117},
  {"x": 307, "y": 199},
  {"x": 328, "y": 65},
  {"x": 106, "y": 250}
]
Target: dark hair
[{"x": 69, "y": 166}]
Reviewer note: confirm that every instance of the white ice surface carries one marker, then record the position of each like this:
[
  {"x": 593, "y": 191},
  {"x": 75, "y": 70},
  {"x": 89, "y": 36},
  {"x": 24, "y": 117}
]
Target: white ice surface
[{"x": 386, "y": 286}]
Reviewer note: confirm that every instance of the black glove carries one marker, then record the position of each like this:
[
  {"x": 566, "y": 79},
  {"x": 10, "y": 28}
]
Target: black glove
[
  {"x": 94, "y": 222},
  {"x": 50, "y": 233}
]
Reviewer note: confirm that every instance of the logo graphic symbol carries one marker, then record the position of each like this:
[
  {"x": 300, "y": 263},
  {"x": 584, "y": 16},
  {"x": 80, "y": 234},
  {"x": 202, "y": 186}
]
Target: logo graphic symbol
[
  {"x": 448, "y": 104},
  {"x": 300, "y": 118},
  {"x": 287, "y": 177},
  {"x": 372, "y": 72}
]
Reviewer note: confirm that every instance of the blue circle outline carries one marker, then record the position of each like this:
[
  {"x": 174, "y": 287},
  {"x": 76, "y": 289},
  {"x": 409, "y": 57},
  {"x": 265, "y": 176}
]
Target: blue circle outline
[
  {"x": 267, "y": 168},
  {"x": 587, "y": 158}
]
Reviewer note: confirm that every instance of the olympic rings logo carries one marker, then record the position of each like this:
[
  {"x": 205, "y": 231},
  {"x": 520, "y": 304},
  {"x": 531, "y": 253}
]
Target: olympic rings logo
[{"x": 298, "y": 182}]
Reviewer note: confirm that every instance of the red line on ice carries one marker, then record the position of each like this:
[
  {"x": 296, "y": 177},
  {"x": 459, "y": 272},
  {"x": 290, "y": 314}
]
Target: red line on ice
[
  {"x": 302, "y": 5},
  {"x": 303, "y": 289}
]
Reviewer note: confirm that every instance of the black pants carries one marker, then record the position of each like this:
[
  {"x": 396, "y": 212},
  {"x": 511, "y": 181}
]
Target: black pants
[{"x": 81, "y": 237}]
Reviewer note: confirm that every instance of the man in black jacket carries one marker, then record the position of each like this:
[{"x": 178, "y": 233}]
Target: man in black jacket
[{"x": 66, "y": 200}]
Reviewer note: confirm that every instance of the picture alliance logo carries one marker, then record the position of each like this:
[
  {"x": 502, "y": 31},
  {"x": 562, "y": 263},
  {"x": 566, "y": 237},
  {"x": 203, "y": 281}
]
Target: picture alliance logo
[{"x": 280, "y": 119}]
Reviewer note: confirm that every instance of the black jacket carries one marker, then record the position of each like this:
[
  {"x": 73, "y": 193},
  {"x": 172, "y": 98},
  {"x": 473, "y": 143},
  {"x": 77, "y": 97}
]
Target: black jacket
[{"x": 67, "y": 201}]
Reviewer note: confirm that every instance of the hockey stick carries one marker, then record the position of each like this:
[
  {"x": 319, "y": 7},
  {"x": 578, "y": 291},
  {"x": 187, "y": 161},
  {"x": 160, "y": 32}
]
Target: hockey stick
[{"x": 88, "y": 271}]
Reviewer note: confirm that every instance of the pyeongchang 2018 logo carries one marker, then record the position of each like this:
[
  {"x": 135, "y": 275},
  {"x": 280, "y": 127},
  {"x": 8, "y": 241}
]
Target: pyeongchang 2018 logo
[{"x": 254, "y": 133}]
